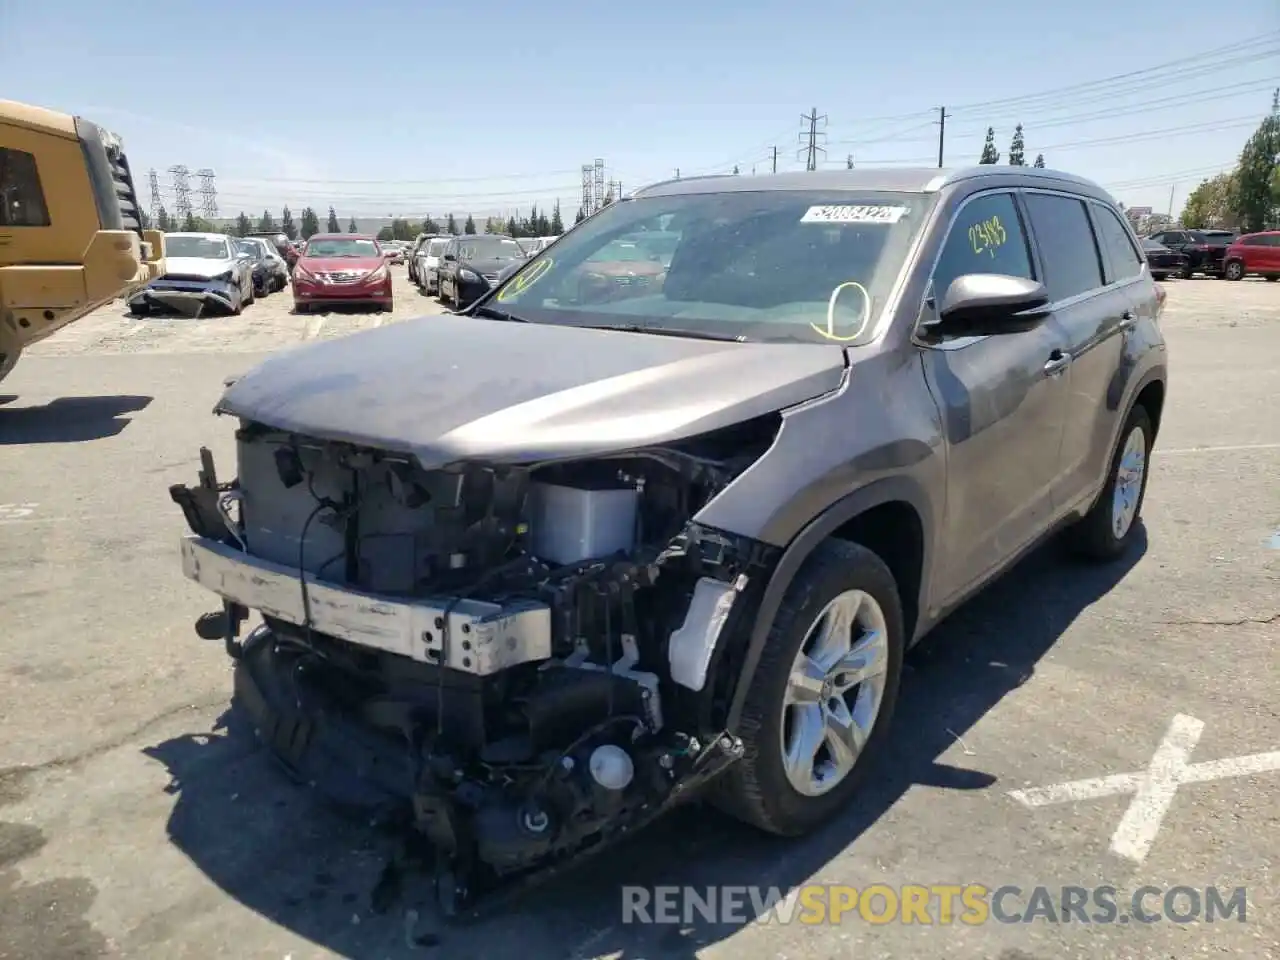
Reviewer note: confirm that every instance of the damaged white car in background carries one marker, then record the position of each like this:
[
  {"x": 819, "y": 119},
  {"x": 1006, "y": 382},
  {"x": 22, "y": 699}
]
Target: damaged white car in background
[{"x": 203, "y": 271}]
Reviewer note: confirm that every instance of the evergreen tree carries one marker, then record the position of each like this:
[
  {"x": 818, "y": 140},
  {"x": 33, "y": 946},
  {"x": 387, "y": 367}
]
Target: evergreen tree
[
  {"x": 1017, "y": 149},
  {"x": 513, "y": 228},
  {"x": 430, "y": 226},
  {"x": 469, "y": 227},
  {"x": 989, "y": 152},
  {"x": 581, "y": 215},
  {"x": 1039, "y": 161},
  {"x": 163, "y": 220},
  {"x": 310, "y": 223},
  {"x": 351, "y": 227},
  {"x": 266, "y": 223},
  {"x": 736, "y": 171},
  {"x": 287, "y": 226},
  {"x": 333, "y": 226},
  {"x": 557, "y": 225},
  {"x": 244, "y": 226},
  {"x": 144, "y": 220},
  {"x": 451, "y": 226},
  {"x": 189, "y": 224}
]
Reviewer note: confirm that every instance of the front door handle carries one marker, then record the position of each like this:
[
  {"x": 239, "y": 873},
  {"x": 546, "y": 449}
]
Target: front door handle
[
  {"x": 1056, "y": 363},
  {"x": 1127, "y": 320}
]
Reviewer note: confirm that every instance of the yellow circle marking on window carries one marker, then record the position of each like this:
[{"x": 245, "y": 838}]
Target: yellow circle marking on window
[
  {"x": 523, "y": 281},
  {"x": 829, "y": 331}
]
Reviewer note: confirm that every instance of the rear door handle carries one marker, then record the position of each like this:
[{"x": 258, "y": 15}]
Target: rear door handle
[
  {"x": 1056, "y": 363},
  {"x": 1127, "y": 320}
]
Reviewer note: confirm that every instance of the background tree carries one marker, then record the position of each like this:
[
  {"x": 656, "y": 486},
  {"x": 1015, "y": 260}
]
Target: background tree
[
  {"x": 1017, "y": 148},
  {"x": 430, "y": 226},
  {"x": 266, "y": 223},
  {"x": 580, "y": 215},
  {"x": 1255, "y": 199},
  {"x": 989, "y": 152},
  {"x": 351, "y": 227},
  {"x": 451, "y": 226},
  {"x": 287, "y": 226},
  {"x": 556, "y": 226},
  {"x": 144, "y": 220},
  {"x": 189, "y": 223},
  {"x": 244, "y": 226},
  {"x": 736, "y": 171},
  {"x": 513, "y": 228},
  {"x": 386, "y": 233},
  {"x": 1212, "y": 204},
  {"x": 469, "y": 227},
  {"x": 163, "y": 220},
  {"x": 332, "y": 226},
  {"x": 1039, "y": 161},
  {"x": 310, "y": 223}
]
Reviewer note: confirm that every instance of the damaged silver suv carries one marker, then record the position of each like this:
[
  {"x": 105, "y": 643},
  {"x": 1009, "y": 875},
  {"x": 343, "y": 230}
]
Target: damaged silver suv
[{"x": 660, "y": 514}]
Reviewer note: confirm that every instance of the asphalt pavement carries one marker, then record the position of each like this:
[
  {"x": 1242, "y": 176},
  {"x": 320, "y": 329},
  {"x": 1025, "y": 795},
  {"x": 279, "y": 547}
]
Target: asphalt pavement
[{"x": 138, "y": 818}]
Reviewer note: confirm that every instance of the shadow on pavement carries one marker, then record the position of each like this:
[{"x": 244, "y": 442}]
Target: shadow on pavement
[
  {"x": 273, "y": 848},
  {"x": 69, "y": 419}
]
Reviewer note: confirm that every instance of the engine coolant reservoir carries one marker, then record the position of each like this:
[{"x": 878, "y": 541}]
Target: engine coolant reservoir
[{"x": 611, "y": 767}]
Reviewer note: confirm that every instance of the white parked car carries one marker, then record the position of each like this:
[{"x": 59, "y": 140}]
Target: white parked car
[
  {"x": 427, "y": 269},
  {"x": 202, "y": 270}
]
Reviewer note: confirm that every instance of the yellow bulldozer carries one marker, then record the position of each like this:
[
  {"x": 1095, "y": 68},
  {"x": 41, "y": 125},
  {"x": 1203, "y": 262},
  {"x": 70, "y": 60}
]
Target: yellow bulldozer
[{"x": 71, "y": 233}]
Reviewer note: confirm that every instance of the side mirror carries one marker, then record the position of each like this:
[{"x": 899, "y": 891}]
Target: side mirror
[{"x": 989, "y": 304}]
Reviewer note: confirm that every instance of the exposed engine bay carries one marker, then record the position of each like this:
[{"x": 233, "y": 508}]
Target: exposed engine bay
[{"x": 523, "y": 662}]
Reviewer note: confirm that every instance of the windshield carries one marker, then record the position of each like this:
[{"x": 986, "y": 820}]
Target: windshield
[
  {"x": 1149, "y": 244},
  {"x": 201, "y": 248},
  {"x": 436, "y": 247},
  {"x": 769, "y": 265},
  {"x": 489, "y": 248},
  {"x": 254, "y": 248},
  {"x": 341, "y": 247}
]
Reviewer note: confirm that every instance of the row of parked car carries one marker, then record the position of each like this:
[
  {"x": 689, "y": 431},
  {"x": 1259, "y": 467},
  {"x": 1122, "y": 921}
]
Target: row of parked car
[
  {"x": 459, "y": 269},
  {"x": 212, "y": 271},
  {"x": 1215, "y": 253}
]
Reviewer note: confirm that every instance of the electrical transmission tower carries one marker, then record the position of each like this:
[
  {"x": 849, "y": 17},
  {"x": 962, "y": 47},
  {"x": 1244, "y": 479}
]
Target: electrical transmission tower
[
  {"x": 157, "y": 201},
  {"x": 598, "y": 184},
  {"x": 614, "y": 190},
  {"x": 809, "y": 148},
  {"x": 587, "y": 197},
  {"x": 181, "y": 191},
  {"x": 208, "y": 193}
]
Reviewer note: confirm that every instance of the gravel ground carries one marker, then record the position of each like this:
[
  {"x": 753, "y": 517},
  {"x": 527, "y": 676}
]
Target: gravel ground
[{"x": 137, "y": 821}]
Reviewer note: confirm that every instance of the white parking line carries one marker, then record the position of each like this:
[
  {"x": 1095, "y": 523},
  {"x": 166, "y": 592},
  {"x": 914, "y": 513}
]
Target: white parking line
[
  {"x": 1154, "y": 789},
  {"x": 1183, "y": 451}
]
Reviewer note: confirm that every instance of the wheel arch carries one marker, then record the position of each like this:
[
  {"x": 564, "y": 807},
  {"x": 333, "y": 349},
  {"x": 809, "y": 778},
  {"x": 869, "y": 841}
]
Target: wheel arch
[{"x": 893, "y": 517}]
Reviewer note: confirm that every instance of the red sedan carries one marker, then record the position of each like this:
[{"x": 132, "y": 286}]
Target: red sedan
[{"x": 339, "y": 268}]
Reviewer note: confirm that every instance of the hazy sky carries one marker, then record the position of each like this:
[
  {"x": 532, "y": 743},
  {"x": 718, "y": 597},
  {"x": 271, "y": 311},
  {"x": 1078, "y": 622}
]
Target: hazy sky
[{"x": 380, "y": 108}]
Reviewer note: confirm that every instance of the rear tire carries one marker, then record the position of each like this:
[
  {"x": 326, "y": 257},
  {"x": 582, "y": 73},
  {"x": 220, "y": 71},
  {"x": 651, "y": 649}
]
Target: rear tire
[
  {"x": 1107, "y": 530},
  {"x": 1233, "y": 270},
  {"x": 1187, "y": 273},
  {"x": 762, "y": 788}
]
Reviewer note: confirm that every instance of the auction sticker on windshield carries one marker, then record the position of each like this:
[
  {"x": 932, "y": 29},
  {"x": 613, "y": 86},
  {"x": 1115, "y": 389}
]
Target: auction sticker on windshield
[{"x": 854, "y": 213}]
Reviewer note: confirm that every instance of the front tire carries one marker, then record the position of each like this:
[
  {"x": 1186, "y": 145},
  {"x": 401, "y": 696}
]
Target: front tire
[
  {"x": 1107, "y": 530},
  {"x": 1187, "y": 273},
  {"x": 821, "y": 700},
  {"x": 1234, "y": 270}
]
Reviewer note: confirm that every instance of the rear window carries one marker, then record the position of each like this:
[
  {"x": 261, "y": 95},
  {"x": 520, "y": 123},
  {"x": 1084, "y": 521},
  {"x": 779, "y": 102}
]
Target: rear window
[{"x": 22, "y": 202}]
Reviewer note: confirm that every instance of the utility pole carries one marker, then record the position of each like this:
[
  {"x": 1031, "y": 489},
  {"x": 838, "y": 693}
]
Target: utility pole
[
  {"x": 677, "y": 173},
  {"x": 775, "y": 159},
  {"x": 942, "y": 132},
  {"x": 1172, "y": 187},
  {"x": 809, "y": 138},
  {"x": 848, "y": 162}
]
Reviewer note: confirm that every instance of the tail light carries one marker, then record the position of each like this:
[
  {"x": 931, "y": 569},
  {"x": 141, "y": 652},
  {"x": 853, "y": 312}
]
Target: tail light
[{"x": 1161, "y": 296}]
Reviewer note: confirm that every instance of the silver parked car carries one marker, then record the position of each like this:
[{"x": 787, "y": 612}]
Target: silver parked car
[
  {"x": 202, "y": 271},
  {"x": 532, "y": 574},
  {"x": 426, "y": 269}
]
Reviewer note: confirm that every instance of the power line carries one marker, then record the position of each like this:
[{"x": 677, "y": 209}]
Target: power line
[{"x": 809, "y": 138}]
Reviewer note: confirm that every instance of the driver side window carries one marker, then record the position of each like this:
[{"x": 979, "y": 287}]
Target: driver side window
[{"x": 986, "y": 237}]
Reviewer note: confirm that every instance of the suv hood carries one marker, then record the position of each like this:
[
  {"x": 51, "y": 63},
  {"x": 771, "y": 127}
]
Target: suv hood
[{"x": 454, "y": 387}]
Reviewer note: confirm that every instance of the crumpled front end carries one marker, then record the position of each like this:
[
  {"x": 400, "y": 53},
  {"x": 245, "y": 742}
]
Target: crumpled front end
[
  {"x": 191, "y": 296},
  {"x": 521, "y": 662}
]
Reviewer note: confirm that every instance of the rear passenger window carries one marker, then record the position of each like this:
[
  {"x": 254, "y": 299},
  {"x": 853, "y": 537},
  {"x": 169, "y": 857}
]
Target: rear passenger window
[
  {"x": 22, "y": 201},
  {"x": 987, "y": 237},
  {"x": 1068, "y": 250},
  {"x": 1121, "y": 257}
]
